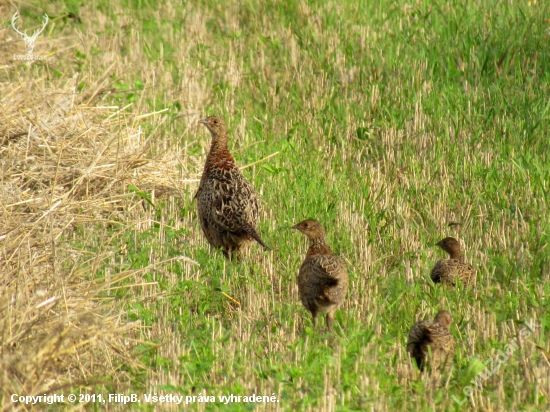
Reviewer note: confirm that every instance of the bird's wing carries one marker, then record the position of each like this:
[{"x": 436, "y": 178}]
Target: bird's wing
[
  {"x": 436, "y": 272},
  {"x": 438, "y": 337},
  {"x": 441, "y": 346},
  {"x": 330, "y": 274},
  {"x": 466, "y": 273},
  {"x": 416, "y": 343},
  {"x": 234, "y": 205},
  {"x": 416, "y": 336},
  {"x": 427, "y": 338},
  {"x": 447, "y": 270}
]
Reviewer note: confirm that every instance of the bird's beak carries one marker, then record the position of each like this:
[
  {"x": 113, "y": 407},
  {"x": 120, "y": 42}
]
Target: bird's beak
[
  {"x": 295, "y": 227},
  {"x": 203, "y": 121},
  {"x": 438, "y": 243}
]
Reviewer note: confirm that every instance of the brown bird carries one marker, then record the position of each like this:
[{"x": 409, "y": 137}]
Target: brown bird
[
  {"x": 323, "y": 278},
  {"x": 448, "y": 270},
  {"x": 432, "y": 343},
  {"x": 226, "y": 203}
]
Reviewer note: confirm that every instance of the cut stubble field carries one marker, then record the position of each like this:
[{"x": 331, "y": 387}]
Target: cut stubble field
[{"x": 393, "y": 124}]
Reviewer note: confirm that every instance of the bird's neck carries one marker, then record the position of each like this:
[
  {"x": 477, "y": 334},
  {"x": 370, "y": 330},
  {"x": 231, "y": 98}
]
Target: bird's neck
[
  {"x": 455, "y": 254},
  {"x": 219, "y": 155},
  {"x": 219, "y": 143},
  {"x": 318, "y": 246}
]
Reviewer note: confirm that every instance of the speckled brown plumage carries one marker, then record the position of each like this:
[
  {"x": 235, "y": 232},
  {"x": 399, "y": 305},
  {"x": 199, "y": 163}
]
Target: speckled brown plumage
[
  {"x": 323, "y": 278},
  {"x": 226, "y": 203},
  {"x": 432, "y": 343},
  {"x": 448, "y": 270}
]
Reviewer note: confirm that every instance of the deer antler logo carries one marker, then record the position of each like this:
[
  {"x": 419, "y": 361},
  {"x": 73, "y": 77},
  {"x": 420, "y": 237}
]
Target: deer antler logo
[{"x": 29, "y": 40}]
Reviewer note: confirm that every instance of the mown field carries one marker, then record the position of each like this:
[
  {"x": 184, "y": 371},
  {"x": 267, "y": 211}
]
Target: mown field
[{"x": 395, "y": 124}]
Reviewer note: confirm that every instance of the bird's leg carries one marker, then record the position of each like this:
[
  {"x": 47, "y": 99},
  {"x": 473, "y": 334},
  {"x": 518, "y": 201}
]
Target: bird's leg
[
  {"x": 314, "y": 316},
  {"x": 235, "y": 256},
  {"x": 227, "y": 253},
  {"x": 330, "y": 318},
  {"x": 231, "y": 254}
]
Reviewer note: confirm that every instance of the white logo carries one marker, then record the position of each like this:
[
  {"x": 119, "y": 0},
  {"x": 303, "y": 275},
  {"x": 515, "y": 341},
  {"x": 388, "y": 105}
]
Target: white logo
[{"x": 29, "y": 40}]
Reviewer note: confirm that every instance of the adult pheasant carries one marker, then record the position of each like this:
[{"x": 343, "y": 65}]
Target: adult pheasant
[{"x": 226, "y": 203}]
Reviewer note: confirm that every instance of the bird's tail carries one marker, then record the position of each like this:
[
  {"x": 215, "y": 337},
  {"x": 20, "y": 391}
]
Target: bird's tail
[{"x": 252, "y": 232}]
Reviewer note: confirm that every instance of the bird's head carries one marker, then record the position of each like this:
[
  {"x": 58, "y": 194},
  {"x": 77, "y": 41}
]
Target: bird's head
[
  {"x": 444, "y": 318},
  {"x": 216, "y": 125},
  {"x": 311, "y": 228},
  {"x": 450, "y": 245}
]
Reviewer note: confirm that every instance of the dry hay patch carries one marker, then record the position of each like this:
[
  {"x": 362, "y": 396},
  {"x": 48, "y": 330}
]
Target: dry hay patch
[{"x": 67, "y": 164}]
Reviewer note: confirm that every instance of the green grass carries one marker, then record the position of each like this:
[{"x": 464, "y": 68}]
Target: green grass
[{"x": 392, "y": 121}]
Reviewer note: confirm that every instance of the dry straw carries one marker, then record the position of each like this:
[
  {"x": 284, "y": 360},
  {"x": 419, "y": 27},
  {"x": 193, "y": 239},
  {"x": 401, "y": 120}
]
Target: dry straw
[{"x": 67, "y": 163}]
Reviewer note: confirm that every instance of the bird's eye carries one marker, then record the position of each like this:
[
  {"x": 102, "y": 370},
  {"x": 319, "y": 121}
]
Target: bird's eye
[{"x": 215, "y": 122}]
